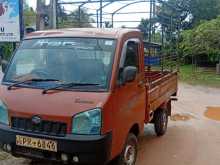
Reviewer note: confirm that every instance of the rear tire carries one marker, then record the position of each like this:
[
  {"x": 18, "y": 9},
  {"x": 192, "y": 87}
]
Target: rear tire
[
  {"x": 129, "y": 153},
  {"x": 160, "y": 122}
]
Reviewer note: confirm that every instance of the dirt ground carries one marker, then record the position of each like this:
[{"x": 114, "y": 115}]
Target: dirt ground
[{"x": 192, "y": 138}]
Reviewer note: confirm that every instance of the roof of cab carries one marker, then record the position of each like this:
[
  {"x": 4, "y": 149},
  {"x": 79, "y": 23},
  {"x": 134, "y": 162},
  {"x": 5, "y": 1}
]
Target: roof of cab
[{"x": 81, "y": 32}]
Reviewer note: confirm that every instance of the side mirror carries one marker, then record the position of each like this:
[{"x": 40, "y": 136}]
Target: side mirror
[
  {"x": 4, "y": 65},
  {"x": 129, "y": 74}
]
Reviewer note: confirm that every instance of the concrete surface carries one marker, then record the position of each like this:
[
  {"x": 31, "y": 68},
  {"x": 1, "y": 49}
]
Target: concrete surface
[
  {"x": 192, "y": 139},
  {"x": 195, "y": 141}
]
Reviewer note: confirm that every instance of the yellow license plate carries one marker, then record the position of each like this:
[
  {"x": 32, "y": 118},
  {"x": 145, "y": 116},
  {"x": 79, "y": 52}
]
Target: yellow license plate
[{"x": 42, "y": 144}]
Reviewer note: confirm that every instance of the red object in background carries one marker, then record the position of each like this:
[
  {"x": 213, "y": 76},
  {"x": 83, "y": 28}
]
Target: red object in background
[{"x": 2, "y": 9}]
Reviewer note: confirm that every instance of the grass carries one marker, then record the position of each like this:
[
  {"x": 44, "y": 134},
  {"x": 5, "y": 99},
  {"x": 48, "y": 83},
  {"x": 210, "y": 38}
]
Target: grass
[{"x": 200, "y": 76}]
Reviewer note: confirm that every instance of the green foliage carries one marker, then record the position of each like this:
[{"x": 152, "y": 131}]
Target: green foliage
[
  {"x": 157, "y": 37},
  {"x": 144, "y": 26},
  {"x": 189, "y": 12},
  {"x": 200, "y": 76},
  {"x": 203, "y": 10},
  {"x": 29, "y": 15},
  {"x": 7, "y": 50},
  {"x": 186, "y": 44},
  {"x": 76, "y": 19},
  {"x": 203, "y": 40}
]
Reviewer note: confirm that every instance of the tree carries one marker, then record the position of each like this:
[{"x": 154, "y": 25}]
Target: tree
[
  {"x": 175, "y": 11},
  {"x": 82, "y": 18},
  {"x": 7, "y": 50},
  {"x": 186, "y": 45},
  {"x": 29, "y": 16},
  {"x": 76, "y": 19},
  {"x": 144, "y": 26},
  {"x": 203, "y": 10},
  {"x": 191, "y": 12},
  {"x": 108, "y": 24},
  {"x": 202, "y": 41}
]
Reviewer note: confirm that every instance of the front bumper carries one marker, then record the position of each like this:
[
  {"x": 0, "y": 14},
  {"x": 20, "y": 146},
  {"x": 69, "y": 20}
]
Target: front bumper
[{"x": 93, "y": 149}]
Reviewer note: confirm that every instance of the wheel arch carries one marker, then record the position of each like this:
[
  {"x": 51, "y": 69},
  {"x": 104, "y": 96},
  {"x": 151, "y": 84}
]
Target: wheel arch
[
  {"x": 166, "y": 106},
  {"x": 135, "y": 129}
]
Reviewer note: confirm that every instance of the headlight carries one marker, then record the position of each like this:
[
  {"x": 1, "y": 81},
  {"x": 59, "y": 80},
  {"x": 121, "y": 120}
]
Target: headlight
[
  {"x": 87, "y": 123},
  {"x": 3, "y": 113}
]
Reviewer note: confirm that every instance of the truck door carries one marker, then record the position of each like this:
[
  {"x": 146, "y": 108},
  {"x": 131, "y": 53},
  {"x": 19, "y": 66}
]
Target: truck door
[{"x": 130, "y": 97}]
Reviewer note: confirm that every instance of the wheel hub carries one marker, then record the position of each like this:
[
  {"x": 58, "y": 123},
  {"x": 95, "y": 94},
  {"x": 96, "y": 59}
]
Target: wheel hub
[
  {"x": 164, "y": 120},
  {"x": 129, "y": 155}
]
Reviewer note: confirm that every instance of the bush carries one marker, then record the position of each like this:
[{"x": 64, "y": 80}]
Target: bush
[
  {"x": 7, "y": 50},
  {"x": 202, "y": 42}
]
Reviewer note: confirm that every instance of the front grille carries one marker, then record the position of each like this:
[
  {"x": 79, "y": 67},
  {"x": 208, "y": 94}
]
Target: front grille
[{"x": 45, "y": 127}]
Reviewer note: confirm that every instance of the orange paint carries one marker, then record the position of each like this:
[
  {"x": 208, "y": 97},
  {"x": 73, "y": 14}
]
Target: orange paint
[
  {"x": 123, "y": 106},
  {"x": 181, "y": 117},
  {"x": 213, "y": 113}
]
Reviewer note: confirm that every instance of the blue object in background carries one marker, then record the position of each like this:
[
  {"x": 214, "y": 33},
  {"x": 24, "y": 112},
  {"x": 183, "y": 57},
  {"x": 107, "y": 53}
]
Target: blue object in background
[{"x": 151, "y": 60}]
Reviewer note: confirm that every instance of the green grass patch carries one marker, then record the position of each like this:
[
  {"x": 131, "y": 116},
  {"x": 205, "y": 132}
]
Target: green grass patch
[{"x": 199, "y": 76}]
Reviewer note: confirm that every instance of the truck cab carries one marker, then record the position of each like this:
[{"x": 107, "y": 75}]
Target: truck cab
[{"x": 81, "y": 96}]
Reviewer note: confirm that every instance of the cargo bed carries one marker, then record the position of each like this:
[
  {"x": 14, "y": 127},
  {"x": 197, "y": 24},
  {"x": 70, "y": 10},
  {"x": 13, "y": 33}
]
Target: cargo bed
[{"x": 160, "y": 86}]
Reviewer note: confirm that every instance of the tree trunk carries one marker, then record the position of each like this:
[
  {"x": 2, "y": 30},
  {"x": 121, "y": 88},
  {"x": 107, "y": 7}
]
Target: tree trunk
[{"x": 218, "y": 68}]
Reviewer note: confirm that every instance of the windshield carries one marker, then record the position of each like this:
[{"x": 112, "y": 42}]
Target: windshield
[{"x": 78, "y": 60}]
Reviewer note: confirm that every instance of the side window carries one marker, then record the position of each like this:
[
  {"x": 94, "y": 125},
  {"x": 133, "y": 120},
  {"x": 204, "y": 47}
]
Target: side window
[{"x": 131, "y": 58}]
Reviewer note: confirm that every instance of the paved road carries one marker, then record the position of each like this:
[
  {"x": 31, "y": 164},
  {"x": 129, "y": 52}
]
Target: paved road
[
  {"x": 191, "y": 142},
  {"x": 192, "y": 139}
]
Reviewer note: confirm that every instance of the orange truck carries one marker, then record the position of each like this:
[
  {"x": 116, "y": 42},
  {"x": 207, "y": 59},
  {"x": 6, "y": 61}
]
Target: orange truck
[{"x": 82, "y": 96}]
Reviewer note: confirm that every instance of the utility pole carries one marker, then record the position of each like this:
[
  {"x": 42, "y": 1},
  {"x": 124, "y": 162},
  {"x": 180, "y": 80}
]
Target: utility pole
[
  {"x": 153, "y": 22},
  {"x": 40, "y": 24},
  {"x": 151, "y": 16},
  {"x": 97, "y": 18},
  {"x": 53, "y": 14},
  {"x": 112, "y": 20},
  {"x": 101, "y": 13}
]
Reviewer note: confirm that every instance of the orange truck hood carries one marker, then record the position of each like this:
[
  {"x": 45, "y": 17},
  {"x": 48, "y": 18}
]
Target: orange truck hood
[{"x": 56, "y": 106}]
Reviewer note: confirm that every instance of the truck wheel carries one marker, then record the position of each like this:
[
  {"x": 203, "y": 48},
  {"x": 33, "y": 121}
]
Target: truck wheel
[
  {"x": 160, "y": 122},
  {"x": 129, "y": 153}
]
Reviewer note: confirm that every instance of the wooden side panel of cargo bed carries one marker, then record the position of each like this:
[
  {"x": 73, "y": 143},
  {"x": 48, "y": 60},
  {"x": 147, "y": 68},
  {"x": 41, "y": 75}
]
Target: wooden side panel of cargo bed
[{"x": 161, "y": 90}]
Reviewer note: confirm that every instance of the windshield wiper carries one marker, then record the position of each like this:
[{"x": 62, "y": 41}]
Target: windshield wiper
[
  {"x": 68, "y": 85},
  {"x": 30, "y": 80}
]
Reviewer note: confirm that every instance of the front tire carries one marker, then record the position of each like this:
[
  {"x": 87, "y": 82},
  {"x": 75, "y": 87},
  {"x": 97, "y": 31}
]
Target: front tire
[
  {"x": 160, "y": 122},
  {"x": 129, "y": 153}
]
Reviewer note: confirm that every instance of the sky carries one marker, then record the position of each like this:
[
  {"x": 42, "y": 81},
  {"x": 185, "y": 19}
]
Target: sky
[{"x": 91, "y": 8}]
